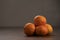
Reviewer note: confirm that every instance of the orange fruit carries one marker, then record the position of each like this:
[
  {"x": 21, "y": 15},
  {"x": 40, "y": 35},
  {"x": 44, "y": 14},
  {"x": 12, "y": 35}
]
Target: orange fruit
[
  {"x": 41, "y": 30},
  {"x": 39, "y": 20},
  {"x": 49, "y": 27},
  {"x": 29, "y": 29}
]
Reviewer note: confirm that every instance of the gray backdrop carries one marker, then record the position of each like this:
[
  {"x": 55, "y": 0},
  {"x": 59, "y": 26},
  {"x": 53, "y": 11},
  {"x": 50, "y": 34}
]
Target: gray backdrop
[{"x": 18, "y": 12}]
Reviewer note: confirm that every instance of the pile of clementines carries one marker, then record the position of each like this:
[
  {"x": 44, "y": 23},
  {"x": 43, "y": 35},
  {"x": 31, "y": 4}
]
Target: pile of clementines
[{"x": 39, "y": 27}]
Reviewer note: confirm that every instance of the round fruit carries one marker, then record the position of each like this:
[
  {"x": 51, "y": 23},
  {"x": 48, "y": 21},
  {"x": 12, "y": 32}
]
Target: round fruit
[
  {"x": 29, "y": 29},
  {"x": 41, "y": 30},
  {"x": 49, "y": 27},
  {"x": 39, "y": 20}
]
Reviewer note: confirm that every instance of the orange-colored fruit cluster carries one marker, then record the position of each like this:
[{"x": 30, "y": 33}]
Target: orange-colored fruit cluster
[{"x": 39, "y": 27}]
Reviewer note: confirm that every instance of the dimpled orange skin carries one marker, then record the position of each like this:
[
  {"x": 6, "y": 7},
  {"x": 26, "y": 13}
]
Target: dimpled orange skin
[
  {"x": 41, "y": 30},
  {"x": 49, "y": 27},
  {"x": 29, "y": 29},
  {"x": 39, "y": 20}
]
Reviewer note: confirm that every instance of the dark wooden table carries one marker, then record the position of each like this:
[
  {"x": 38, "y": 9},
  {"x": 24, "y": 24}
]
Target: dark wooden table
[{"x": 18, "y": 34}]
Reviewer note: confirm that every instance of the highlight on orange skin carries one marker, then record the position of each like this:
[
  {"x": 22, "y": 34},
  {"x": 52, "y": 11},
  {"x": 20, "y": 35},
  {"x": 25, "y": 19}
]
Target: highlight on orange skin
[
  {"x": 41, "y": 30},
  {"x": 39, "y": 20},
  {"x": 29, "y": 29}
]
